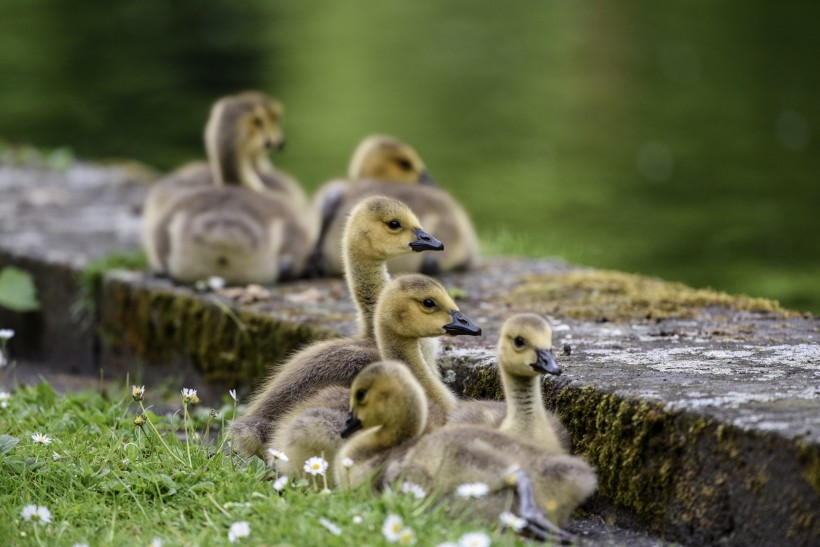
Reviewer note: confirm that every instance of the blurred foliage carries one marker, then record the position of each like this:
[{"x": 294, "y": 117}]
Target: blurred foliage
[
  {"x": 17, "y": 290},
  {"x": 92, "y": 276},
  {"x": 675, "y": 139}
]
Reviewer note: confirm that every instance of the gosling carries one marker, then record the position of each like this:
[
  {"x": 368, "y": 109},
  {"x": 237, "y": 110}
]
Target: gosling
[
  {"x": 385, "y": 165},
  {"x": 240, "y": 130},
  {"x": 524, "y": 356}
]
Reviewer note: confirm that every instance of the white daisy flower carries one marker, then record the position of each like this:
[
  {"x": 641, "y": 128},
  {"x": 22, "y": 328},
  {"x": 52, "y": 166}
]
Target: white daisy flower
[
  {"x": 280, "y": 483},
  {"x": 156, "y": 542},
  {"x": 277, "y": 455},
  {"x": 347, "y": 463},
  {"x": 315, "y": 466},
  {"x": 334, "y": 529},
  {"x": 232, "y": 393},
  {"x": 448, "y": 544},
  {"x": 472, "y": 490},
  {"x": 239, "y": 530},
  {"x": 357, "y": 519},
  {"x": 80, "y": 545},
  {"x": 512, "y": 521},
  {"x": 413, "y": 489},
  {"x": 189, "y": 396},
  {"x": 392, "y": 528},
  {"x": 40, "y": 438},
  {"x": 4, "y": 399},
  {"x": 138, "y": 393},
  {"x": 407, "y": 537},
  {"x": 474, "y": 539},
  {"x": 36, "y": 514},
  {"x": 6, "y": 334}
]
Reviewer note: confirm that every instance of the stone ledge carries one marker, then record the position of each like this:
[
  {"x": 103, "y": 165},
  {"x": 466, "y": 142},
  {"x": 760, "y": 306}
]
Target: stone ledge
[{"x": 699, "y": 409}]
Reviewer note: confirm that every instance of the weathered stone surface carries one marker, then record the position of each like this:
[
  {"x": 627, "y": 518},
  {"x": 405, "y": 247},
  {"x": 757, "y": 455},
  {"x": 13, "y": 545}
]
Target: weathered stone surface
[{"x": 700, "y": 410}]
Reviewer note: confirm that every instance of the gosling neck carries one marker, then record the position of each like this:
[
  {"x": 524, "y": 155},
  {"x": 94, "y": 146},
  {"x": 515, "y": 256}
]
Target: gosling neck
[
  {"x": 365, "y": 279},
  {"x": 408, "y": 350},
  {"x": 526, "y": 414},
  {"x": 231, "y": 165}
]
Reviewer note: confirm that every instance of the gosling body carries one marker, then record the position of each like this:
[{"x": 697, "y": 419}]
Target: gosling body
[{"x": 233, "y": 233}]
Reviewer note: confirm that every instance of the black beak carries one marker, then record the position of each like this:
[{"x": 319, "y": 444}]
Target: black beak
[
  {"x": 352, "y": 425},
  {"x": 546, "y": 363},
  {"x": 426, "y": 179},
  {"x": 461, "y": 324},
  {"x": 425, "y": 242}
]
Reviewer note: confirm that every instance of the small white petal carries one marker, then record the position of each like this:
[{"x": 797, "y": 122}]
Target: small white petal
[
  {"x": 278, "y": 455},
  {"x": 6, "y": 334},
  {"x": 472, "y": 490},
  {"x": 474, "y": 539},
  {"x": 40, "y": 438},
  {"x": 347, "y": 463},
  {"x": 512, "y": 521},
  {"x": 334, "y": 529},
  {"x": 392, "y": 527},
  {"x": 280, "y": 483},
  {"x": 232, "y": 393},
  {"x": 239, "y": 530},
  {"x": 315, "y": 466}
]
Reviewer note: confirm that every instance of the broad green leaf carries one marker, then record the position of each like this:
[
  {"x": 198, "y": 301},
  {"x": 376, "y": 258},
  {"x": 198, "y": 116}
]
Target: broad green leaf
[
  {"x": 7, "y": 442},
  {"x": 17, "y": 290}
]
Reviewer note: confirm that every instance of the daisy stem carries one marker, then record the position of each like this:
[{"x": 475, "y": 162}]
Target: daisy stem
[
  {"x": 187, "y": 434},
  {"x": 37, "y": 535},
  {"x": 168, "y": 448}
]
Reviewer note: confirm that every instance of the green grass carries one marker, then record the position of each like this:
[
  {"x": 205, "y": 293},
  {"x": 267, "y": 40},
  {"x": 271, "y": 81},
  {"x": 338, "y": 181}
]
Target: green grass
[{"x": 109, "y": 482}]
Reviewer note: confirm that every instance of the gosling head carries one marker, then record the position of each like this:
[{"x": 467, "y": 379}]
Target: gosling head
[
  {"x": 380, "y": 228},
  {"x": 251, "y": 120},
  {"x": 525, "y": 347},
  {"x": 417, "y": 306},
  {"x": 386, "y": 395},
  {"x": 389, "y": 159}
]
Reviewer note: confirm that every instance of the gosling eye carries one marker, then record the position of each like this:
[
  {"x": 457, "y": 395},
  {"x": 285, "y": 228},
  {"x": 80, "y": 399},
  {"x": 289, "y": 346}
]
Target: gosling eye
[
  {"x": 429, "y": 303},
  {"x": 404, "y": 164},
  {"x": 360, "y": 395},
  {"x": 257, "y": 121},
  {"x": 394, "y": 224},
  {"x": 519, "y": 342}
]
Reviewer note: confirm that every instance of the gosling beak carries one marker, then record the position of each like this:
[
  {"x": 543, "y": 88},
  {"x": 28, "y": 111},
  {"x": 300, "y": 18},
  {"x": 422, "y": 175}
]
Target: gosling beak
[
  {"x": 280, "y": 144},
  {"x": 425, "y": 242},
  {"x": 546, "y": 363},
  {"x": 352, "y": 425},
  {"x": 426, "y": 179},
  {"x": 461, "y": 324}
]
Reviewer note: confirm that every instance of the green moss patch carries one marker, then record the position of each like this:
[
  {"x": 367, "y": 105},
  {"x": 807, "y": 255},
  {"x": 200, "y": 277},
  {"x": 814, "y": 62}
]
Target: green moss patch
[{"x": 617, "y": 296}]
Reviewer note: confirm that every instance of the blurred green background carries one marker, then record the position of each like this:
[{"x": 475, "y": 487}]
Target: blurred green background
[{"x": 671, "y": 138}]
